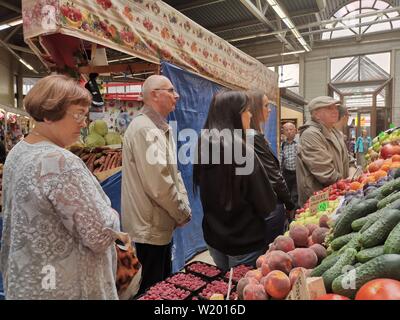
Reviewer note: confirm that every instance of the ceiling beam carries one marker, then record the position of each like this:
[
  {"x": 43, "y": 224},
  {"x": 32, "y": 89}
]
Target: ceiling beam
[
  {"x": 196, "y": 4},
  {"x": 9, "y": 6},
  {"x": 330, "y": 21},
  {"x": 21, "y": 49},
  {"x": 9, "y": 36},
  {"x": 121, "y": 67},
  {"x": 235, "y": 26},
  {"x": 260, "y": 16}
]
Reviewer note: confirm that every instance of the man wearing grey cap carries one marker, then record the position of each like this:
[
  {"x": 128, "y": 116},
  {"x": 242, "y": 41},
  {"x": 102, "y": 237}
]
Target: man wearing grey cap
[{"x": 322, "y": 156}]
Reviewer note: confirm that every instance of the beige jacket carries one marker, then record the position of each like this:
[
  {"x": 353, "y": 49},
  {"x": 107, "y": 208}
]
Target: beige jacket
[
  {"x": 154, "y": 198},
  {"x": 322, "y": 159}
]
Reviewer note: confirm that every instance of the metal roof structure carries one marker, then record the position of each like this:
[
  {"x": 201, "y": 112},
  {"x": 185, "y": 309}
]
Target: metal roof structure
[{"x": 254, "y": 26}]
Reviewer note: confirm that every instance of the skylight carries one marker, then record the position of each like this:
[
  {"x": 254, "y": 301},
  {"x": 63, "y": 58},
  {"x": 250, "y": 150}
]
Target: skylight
[{"x": 360, "y": 7}]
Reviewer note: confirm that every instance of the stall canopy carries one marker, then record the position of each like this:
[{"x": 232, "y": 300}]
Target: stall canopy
[{"x": 150, "y": 30}]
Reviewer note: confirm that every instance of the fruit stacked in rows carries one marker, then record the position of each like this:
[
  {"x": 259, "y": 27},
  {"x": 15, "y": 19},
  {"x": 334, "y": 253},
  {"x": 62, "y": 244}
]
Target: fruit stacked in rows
[
  {"x": 186, "y": 281},
  {"x": 215, "y": 287},
  {"x": 203, "y": 269},
  {"x": 238, "y": 272},
  {"x": 165, "y": 291}
]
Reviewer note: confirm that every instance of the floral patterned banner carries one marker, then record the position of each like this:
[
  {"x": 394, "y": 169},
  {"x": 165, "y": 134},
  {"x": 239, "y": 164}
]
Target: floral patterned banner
[{"x": 152, "y": 31}]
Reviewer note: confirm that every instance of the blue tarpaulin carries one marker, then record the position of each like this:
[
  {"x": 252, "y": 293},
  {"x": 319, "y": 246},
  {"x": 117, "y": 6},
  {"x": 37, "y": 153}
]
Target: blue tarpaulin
[
  {"x": 271, "y": 127},
  {"x": 190, "y": 112},
  {"x": 112, "y": 187}
]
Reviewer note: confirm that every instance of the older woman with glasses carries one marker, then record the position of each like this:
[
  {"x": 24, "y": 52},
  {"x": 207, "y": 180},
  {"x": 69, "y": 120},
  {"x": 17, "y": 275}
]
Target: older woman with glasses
[{"x": 59, "y": 228}]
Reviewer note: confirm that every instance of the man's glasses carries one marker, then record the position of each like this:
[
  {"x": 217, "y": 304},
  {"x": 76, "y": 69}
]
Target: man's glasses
[
  {"x": 78, "y": 117},
  {"x": 170, "y": 90}
]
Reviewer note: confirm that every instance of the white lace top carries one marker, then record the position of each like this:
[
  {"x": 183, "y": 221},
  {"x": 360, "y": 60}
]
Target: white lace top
[{"x": 56, "y": 242}]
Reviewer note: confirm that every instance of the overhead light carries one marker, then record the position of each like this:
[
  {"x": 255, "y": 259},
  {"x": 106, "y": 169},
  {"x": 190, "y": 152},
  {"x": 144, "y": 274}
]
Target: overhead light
[
  {"x": 267, "y": 56},
  {"x": 296, "y": 33},
  {"x": 121, "y": 59},
  {"x": 26, "y": 64},
  {"x": 4, "y": 26},
  {"x": 279, "y": 11},
  {"x": 288, "y": 22},
  {"x": 292, "y": 52},
  {"x": 10, "y": 24},
  {"x": 15, "y": 22},
  {"x": 272, "y": 2}
]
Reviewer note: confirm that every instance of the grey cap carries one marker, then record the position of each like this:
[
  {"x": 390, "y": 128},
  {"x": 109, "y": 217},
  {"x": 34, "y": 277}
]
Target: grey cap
[{"x": 324, "y": 101}]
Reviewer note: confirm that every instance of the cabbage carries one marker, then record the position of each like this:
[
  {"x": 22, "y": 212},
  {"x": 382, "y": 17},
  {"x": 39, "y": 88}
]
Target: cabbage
[
  {"x": 100, "y": 127},
  {"x": 91, "y": 128},
  {"x": 113, "y": 138},
  {"x": 95, "y": 140}
]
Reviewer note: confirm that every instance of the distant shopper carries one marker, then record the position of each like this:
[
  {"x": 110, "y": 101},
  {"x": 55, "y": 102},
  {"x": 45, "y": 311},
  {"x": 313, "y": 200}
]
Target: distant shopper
[
  {"x": 59, "y": 227},
  {"x": 236, "y": 196},
  {"x": 322, "y": 158},
  {"x": 288, "y": 156},
  {"x": 361, "y": 148}
]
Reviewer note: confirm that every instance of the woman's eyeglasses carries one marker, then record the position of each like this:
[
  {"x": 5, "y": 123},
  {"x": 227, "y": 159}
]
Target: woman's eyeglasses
[
  {"x": 170, "y": 90},
  {"x": 78, "y": 117}
]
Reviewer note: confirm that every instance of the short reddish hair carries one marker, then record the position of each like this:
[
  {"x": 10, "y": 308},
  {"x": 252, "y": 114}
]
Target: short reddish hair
[{"x": 51, "y": 96}]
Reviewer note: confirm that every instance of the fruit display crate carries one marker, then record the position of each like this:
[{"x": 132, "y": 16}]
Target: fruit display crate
[
  {"x": 203, "y": 270},
  {"x": 218, "y": 285},
  {"x": 238, "y": 272},
  {"x": 165, "y": 291},
  {"x": 187, "y": 281}
]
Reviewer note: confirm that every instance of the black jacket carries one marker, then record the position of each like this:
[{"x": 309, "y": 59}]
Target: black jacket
[
  {"x": 241, "y": 229},
  {"x": 272, "y": 167}
]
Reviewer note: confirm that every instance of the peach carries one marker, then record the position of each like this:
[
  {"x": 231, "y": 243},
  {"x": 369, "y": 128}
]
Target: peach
[
  {"x": 295, "y": 273},
  {"x": 323, "y": 221},
  {"x": 303, "y": 257},
  {"x": 254, "y": 292},
  {"x": 265, "y": 269},
  {"x": 279, "y": 260},
  {"x": 319, "y": 234},
  {"x": 310, "y": 242},
  {"x": 284, "y": 244},
  {"x": 256, "y": 273},
  {"x": 311, "y": 227},
  {"x": 243, "y": 282},
  {"x": 299, "y": 234},
  {"x": 260, "y": 260},
  {"x": 277, "y": 284},
  {"x": 319, "y": 250}
]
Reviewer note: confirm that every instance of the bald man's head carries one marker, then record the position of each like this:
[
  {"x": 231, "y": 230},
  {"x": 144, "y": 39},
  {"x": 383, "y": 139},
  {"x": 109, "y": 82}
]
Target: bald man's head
[
  {"x": 289, "y": 130},
  {"x": 159, "y": 93},
  {"x": 153, "y": 82}
]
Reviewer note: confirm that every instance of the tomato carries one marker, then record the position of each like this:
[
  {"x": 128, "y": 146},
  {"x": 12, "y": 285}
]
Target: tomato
[
  {"x": 379, "y": 289},
  {"x": 331, "y": 296}
]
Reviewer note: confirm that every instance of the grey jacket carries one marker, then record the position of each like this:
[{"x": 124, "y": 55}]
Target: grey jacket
[
  {"x": 154, "y": 198},
  {"x": 322, "y": 159}
]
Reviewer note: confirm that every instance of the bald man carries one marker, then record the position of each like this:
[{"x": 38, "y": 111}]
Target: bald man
[
  {"x": 288, "y": 157},
  {"x": 154, "y": 198}
]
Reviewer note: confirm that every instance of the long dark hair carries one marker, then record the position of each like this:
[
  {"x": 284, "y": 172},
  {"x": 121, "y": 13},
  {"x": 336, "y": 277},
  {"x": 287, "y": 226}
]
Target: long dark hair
[
  {"x": 256, "y": 108},
  {"x": 224, "y": 114}
]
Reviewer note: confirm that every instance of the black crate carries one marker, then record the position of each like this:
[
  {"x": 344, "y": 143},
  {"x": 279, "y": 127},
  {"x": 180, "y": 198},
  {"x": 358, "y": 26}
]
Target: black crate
[
  {"x": 209, "y": 277},
  {"x": 191, "y": 276}
]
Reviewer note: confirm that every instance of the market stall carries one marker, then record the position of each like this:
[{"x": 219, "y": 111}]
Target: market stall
[
  {"x": 68, "y": 35},
  {"x": 343, "y": 244}
]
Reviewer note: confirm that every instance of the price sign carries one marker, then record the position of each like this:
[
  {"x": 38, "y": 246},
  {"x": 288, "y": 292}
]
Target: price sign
[
  {"x": 322, "y": 206},
  {"x": 319, "y": 202}
]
